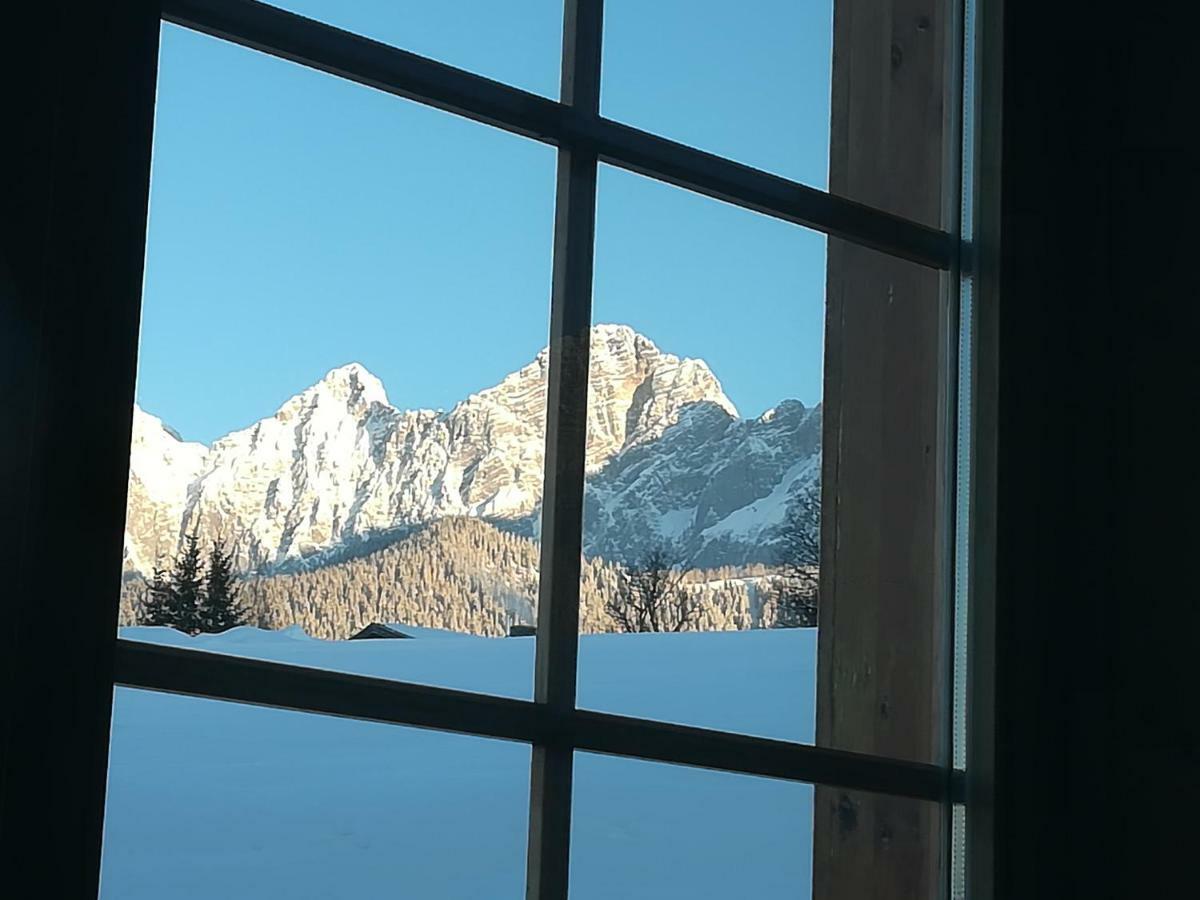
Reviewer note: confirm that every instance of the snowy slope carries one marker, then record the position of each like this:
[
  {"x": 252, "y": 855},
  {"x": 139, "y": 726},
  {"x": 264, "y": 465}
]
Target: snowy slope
[{"x": 210, "y": 799}]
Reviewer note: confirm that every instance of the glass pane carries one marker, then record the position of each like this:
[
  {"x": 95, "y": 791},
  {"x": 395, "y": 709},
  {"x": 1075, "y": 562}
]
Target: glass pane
[
  {"x": 892, "y": 131},
  {"x": 209, "y": 799},
  {"x": 703, "y": 514},
  {"x": 341, "y": 378},
  {"x": 749, "y": 81},
  {"x": 702, "y": 503},
  {"x": 876, "y": 845},
  {"x": 517, "y": 43},
  {"x": 885, "y": 648},
  {"x": 657, "y": 831},
  {"x": 649, "y": 830}
]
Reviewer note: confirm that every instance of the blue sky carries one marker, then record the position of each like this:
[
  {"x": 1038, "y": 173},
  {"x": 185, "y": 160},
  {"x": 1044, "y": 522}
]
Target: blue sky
[{"x": 299, "y": 222}]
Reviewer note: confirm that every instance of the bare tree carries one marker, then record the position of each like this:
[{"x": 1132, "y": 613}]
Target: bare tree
[
  {"x": 797, "y": 598},
  {"x": 650, "y": 596}
]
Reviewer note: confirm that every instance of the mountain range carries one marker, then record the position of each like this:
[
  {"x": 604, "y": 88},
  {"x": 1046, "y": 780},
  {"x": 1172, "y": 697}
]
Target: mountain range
[{"x": 337, "y": 469}]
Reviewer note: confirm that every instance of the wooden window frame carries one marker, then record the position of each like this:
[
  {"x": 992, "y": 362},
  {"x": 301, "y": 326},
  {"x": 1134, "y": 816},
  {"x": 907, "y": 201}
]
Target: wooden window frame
[{"x": 551, "y": 723}]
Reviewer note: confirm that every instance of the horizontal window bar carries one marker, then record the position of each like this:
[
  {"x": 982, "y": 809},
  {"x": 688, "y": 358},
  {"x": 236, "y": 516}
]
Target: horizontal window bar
[
  {"x": 359, "y": 59},
  {"x": 261, "y": 682},
  {"x": 702, "y": 748},
  {"x": 264, "y": 683},
  {"x": 751, "y": 188}
]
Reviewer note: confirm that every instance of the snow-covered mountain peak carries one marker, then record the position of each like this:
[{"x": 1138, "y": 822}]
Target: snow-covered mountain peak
[
  {"x": 612, "y": 343},
  {"x": 158, "y": 453},
  {"x": 616, "y": 338},
  {"x": 338, "y": 464},
  {"x": 161, "y": 469},
  {"x": 350, "y": 388},
  {"x": 636, "y": 391}
]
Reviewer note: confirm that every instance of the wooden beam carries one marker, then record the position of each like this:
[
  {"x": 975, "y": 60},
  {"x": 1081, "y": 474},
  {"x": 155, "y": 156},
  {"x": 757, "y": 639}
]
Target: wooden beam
[{"x": 883, "y": 639}]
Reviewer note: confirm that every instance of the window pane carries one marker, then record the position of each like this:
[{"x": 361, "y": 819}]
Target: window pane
[
  {"x": 341, "y": 378},
  {"x": 516, "y": 43},
  {"x": 876, "y": 845},
  {"x": 749, "y": 81},
  {"x": 892, "y": 131},
  {"x": 883, "y": 678},
  {"x": 209, "y": 799},
  {"x": 702, "y": 502},
  {"x": 657, "y": 831},
  {"x": 649, "y": 830},
  {"x": 703, "y": 509}
]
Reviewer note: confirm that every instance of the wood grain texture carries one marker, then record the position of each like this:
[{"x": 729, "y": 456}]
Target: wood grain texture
[{"x": 882, "y": 657}]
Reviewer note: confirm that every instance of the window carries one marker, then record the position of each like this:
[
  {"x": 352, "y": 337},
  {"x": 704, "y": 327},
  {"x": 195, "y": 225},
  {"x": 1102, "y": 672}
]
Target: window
[
  {"x": 865, "y": 753},
  {"x": 212, "y": 799}
]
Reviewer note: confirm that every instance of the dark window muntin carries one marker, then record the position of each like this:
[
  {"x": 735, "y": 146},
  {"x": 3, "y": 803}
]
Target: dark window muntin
[{"x": 551, "y": 723}]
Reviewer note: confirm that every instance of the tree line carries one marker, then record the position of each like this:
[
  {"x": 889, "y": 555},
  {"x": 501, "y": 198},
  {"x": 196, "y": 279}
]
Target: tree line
[{"x": 467, "y": 575}]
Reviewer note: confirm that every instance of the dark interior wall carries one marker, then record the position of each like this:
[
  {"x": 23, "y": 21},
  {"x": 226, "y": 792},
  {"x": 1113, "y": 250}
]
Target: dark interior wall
[
  {"x": 1096, "y": 738},
  {"x": 77, "y": 92}
]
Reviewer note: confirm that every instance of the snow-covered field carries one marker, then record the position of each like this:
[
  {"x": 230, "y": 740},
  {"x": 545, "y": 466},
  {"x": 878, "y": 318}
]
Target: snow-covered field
[{"x": 217, "y": 800}]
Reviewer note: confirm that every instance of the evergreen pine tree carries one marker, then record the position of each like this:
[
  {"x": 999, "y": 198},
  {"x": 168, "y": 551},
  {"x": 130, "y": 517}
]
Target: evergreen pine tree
[
  {"x": 157, "y": 605},
  {"x": 186, "y": 587},
  {"x": 221, "y": 607}
]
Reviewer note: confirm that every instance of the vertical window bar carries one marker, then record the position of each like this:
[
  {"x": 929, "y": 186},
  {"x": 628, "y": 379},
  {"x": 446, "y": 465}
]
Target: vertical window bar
[
  {"x": 566, "y": 443},
  {"x": 566, "y": 430}
]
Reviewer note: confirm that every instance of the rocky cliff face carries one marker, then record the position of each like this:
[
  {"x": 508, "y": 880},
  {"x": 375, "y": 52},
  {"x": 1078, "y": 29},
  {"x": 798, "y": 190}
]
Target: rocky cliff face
[
  {"x": 713, "y": 488},
  {"x": 338, "y": 466}
]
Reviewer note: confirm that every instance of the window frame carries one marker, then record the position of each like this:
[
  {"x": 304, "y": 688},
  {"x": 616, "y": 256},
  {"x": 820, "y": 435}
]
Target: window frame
[{"x": 551, "y": 723}]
